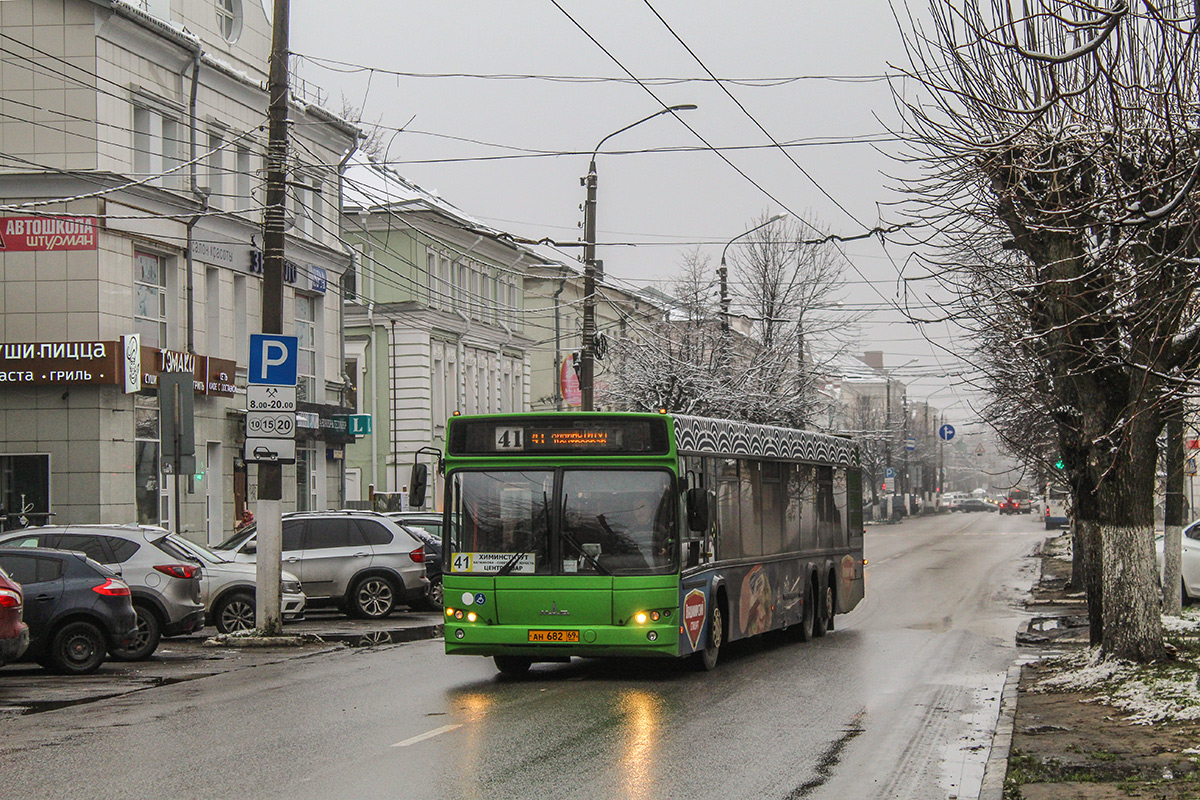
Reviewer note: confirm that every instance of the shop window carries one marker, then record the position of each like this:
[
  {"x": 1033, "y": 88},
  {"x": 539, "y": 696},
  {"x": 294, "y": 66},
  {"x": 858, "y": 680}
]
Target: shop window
[
  {"x": 24, "y": 489},
  {"x": 148, "y": 494}
]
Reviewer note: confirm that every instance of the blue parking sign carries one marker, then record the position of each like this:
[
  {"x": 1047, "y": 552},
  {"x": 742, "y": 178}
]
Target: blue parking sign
[{"x": 273, "y": 359}]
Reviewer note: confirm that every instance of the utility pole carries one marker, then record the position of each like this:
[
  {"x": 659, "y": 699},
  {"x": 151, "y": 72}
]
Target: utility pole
[
  {"x": 270, "y": 476},
  {"x": 587, "y": 354}
]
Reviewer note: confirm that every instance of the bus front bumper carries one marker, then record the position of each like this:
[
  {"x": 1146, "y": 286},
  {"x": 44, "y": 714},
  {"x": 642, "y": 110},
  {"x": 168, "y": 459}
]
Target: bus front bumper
[{"x": 651, "y": 641}]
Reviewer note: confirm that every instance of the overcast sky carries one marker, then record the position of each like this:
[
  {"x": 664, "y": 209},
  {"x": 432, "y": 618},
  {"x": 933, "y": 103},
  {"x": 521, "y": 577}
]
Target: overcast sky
[{"x": 808, "y": 72}]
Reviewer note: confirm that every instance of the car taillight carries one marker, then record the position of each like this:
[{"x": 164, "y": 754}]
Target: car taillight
[
  {"x": 418, "y": 554},
  {"x": 178, "y": 570},
  {"x": 10, "y": 598},
  {"x": 112, "y": 588}
]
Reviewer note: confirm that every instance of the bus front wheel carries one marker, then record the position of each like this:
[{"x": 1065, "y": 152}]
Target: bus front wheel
[
  {"x": 512, "y": 665},
  {"x": 716, "y": 637}
]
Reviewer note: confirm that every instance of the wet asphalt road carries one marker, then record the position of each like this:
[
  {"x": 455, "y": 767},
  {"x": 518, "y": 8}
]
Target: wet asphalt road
[{"x": 899, "y": 702}]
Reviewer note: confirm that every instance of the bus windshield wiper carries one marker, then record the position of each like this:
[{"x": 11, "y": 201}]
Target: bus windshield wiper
[
  {"x": 511, "y": 564},
  {"x": 590, "y": 558}
]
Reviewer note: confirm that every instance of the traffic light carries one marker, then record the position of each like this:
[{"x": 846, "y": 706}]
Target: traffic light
[{"x": 1059, "y": 465}]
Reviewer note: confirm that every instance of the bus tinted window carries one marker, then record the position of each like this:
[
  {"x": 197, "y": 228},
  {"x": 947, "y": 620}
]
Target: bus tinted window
[
  {"x": 622, "y": 519},
  {"x": 505, "y": 516}
]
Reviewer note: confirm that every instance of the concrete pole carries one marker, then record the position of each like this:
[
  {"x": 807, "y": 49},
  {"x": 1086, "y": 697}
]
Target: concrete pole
[{"x": 269, "y": 516}]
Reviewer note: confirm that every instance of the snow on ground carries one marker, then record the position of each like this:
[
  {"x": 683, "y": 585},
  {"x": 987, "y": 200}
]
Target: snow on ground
[{"x": 1148, "y": 693}]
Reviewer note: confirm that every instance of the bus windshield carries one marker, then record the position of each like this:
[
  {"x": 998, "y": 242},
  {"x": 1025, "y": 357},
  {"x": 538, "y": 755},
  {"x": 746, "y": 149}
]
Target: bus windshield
[{"x": 533, "y": 522}]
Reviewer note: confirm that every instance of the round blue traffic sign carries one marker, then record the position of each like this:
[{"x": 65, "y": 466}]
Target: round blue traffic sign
[{"x": 946, "y": 432}]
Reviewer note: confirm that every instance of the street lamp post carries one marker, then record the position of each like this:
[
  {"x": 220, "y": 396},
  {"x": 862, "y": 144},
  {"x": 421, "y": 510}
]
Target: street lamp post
[
  {"x": 590, "y": 265},
  {"x": 723, "y": 273}
]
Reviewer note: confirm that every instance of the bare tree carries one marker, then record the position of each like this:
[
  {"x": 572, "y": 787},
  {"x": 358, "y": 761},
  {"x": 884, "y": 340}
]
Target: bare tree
[
  {"x": 692, "y": 363},
  {"x": 1064, "y": 133}
]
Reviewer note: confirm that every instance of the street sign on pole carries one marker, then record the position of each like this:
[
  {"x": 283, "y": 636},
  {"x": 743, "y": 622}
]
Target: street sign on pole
[
  {"x": 946, "y": 432},
  {"x": 911, "y": 444},
  {"x": 889, "y": 473},
  {"x": 273, "y": 359}
]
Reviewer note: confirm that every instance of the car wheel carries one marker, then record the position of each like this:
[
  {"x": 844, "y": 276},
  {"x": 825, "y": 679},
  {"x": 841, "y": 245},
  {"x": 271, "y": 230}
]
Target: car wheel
[
  {"x": 234, "y": 612},
  {"x": 512, "y": 665},
  {"x": 145, "y": 637},
  {"x": 76, "y": 648},
  {"x": 435, "y": 600},
  {"x": 373, "y": 597}
]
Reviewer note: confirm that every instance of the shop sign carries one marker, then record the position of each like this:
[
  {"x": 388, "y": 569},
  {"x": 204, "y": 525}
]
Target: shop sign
[
  {"x": 321, "y": 422},
  {"x": 47, "y": 234},
  {"x": 60, "y": 364},
  {"x": 211, "y": 376}
]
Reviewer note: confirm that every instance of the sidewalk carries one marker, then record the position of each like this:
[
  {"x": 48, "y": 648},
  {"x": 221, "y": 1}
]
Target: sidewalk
[{"x": 26, "y": 688}]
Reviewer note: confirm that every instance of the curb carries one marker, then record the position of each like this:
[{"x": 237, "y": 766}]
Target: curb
[{"x": 996, "y": 769}]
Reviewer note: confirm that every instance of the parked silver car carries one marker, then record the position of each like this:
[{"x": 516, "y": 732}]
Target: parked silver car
[
  {"x": 1189, "y": 562},
  {"x": 228, "y": 589},
  {"x": 360, "y": 560},
  {"x": 164, "y": 579}
]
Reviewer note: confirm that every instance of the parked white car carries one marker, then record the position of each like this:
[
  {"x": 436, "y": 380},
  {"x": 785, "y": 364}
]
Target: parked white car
[
  {"x": 1190, "y": 563},
  {"x": 227, "y": 590}
]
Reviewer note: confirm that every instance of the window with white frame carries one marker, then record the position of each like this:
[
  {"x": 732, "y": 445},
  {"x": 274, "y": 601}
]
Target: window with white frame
[
  {"x": 150, "y": 298},
  {"x": 215, "y": 167},
  {"x": 306, "y": 335},
  {"x": 229, "y": 19},
  {"x": 244, "y": 179},
  {"x": 306, "y": 476}
]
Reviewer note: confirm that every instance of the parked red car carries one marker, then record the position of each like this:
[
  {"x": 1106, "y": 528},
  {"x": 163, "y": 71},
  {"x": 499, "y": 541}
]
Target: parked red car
[{"x": 14, "y": 633}]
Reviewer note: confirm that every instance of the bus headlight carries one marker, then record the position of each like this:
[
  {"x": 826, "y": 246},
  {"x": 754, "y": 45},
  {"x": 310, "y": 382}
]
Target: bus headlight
[
  {"x": 640, "y": 617},
  {"x": 471, "y": 616}
]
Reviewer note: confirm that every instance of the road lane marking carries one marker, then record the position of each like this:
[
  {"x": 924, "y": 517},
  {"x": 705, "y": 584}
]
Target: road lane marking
[{"x": 427, "y": 735}]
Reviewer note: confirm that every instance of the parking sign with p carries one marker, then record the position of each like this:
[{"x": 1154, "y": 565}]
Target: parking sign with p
[{"x": 273, "y": 359}]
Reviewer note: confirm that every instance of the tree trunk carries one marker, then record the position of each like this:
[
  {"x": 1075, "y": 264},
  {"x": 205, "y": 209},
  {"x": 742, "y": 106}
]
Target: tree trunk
[
  {"x": 1078, "y": 574},
  {"x": 1131, "y": 607},
  {"x": 1087, "y": 532}
]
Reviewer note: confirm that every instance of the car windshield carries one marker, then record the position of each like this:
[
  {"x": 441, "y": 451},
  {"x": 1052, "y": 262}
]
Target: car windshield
[
  {"x": 606, "y": 522},
  {"x": 235, "y": 541},
  {"x": 201, "y": 551}
]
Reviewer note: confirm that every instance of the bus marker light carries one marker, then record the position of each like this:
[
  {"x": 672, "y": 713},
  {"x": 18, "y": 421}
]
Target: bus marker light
[
  {"x": 641, "y": 617},
  {"x": 652, "y": 635},
  {"x": 471, "y": 617},
  {"x": 458, "y": 614},
  {"x": 654, "y": 615},
  {"x": 449, "y": 611},
  {"x": 458, "y": 634}
]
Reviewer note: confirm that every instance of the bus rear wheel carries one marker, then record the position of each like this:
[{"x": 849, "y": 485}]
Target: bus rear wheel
[
  {"x": 824, "y": 613},
  {"x": 808, "y": 618},
  {"x": 716, "y": 637},
  {"x": 512, "y": 665}
]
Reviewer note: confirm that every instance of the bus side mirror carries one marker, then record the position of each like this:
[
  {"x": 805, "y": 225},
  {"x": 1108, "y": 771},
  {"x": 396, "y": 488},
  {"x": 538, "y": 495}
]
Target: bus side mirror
[
  {"x": 698, "y": 509},
  {"x": 417, "y": 483}
]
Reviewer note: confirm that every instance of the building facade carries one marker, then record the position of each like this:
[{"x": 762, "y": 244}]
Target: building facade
[
  {"x": 436, "y": 323},
  {"x": 131, "y": 198}
]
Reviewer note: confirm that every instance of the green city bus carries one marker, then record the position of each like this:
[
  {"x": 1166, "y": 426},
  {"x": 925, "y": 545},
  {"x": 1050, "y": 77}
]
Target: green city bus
[{"x": 658, "y": 535}]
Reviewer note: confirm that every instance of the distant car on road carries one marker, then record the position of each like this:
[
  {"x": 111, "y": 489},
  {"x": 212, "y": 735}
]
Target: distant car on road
[
  {"x": 164, "y": 579},
  {"x": 77, "y": 610},
  {"x": 228, "y": 589},
  {"x": 14, "y": 633},
  {"x": 361, "y": 561},
  {"x": 1189, "y": 563},
  {"x": 975, "y": 504}
]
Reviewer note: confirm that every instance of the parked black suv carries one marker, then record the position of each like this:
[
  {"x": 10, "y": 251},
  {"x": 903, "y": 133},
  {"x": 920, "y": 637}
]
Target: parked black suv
[{"x": 76, "y": 609}]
